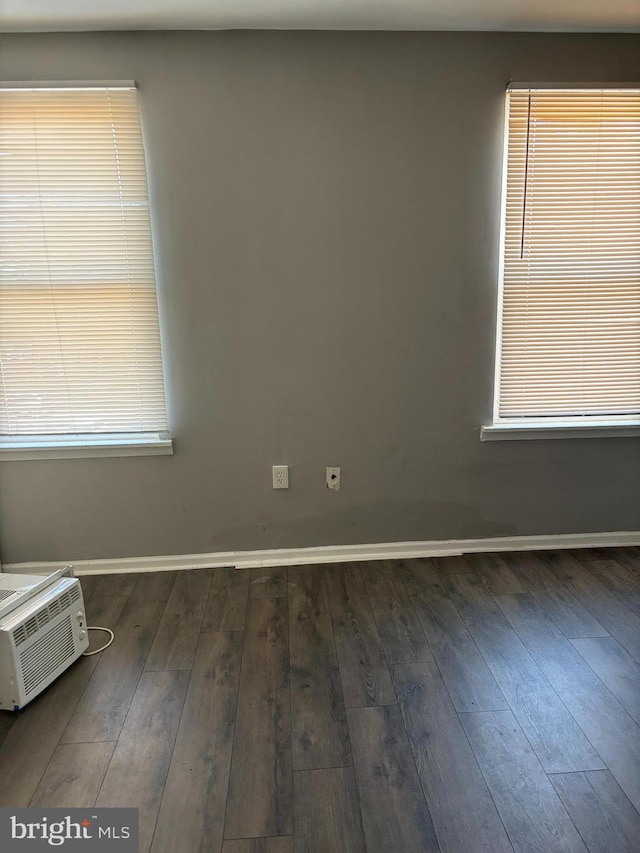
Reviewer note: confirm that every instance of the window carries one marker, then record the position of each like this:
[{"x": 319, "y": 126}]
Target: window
[
  {"x": 80, "y": 358},
  {"x": 568, "y": 344}
]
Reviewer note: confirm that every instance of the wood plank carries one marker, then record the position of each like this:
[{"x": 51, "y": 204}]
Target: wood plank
[
  {"x": 32, "y": 739},
  {"x": 363, "y": 668},
  {"x": 227, "y": 604},
  {"x": 453, "y": 565},
  {"x": 604, "y": 816},
  {"x": 115, "y": 583},
  {"x": 153, "y": 586},
  {"x": 101, "y": 712},
  {"x": 600, "y": 716},
  {"x": 620, "y": 579},
  {"x": 629, "y": 557},
  {"x": 528, "y": 804},
  {"x": 74, "y": 776},
  {"x": 269, "y": 582},
  {"x": 199, "y": 772},
  {"x": 553, "y": 733},
  {"x": 309, "y": 614},
  {"x": 464, "y": 816},
  {"x": 611, "y": 613},
  {"x": 274, "y": 844},
  {"x": 260, "y": 801},
  {"x": 105, "y": 611},
  {"x": 7, "y": 719},
  {"x": 394, "y": 811},
  {"x": 402, "y": 638},
  {"x": 140, "y": 762},
  {"x": 494, "y": 573},
  {"x": 470, "y": 683},
  {"x": 320, "y": 737},
  {"x": 327, "y": 811},
  {"x": 614, "y": 667},
  {"x": 176, "y": 639},
  {"x": 591, "y": 553},
  {"x": 89, "y": 584},
  {"x": 301, "y": 568},
  {"x": 570, "y": 616}
]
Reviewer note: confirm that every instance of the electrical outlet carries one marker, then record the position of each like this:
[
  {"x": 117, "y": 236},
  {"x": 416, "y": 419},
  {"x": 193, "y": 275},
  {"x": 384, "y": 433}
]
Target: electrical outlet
[
  {"x": 333, "y": 479},
  {"x": 280, "y": 475}
]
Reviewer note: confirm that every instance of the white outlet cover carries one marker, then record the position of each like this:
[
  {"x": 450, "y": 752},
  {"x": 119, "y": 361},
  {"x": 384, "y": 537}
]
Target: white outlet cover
[
  {"x": 333, "y": 478},
  {"x": 280, "y": 475}
]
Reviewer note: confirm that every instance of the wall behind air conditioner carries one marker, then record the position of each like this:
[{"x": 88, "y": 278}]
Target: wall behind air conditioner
[{"x": 325, "y": 214}]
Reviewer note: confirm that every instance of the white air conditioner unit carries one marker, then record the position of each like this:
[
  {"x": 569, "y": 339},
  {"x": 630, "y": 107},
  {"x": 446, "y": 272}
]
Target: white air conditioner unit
[{"x": 42, "y": 631}]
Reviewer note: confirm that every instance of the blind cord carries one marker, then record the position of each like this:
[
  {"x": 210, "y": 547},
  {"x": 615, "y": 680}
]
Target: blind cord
[{"x": 526, "y": 178}]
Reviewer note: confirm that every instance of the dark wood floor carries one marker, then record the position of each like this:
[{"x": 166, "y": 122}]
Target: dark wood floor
[{"x": 479, "y": 703}]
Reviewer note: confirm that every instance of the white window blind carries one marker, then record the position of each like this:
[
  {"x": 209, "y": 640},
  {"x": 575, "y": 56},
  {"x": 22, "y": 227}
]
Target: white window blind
[
  {"x": 569, "y": 330},
  {"x": 79, "y": 335}
]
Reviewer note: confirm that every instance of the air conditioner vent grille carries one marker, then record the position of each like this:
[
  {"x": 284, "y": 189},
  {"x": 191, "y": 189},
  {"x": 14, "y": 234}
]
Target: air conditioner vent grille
[
  {"x": 19, "y": 636},
  {"x": 6, "y": 593},
  {"x": 45, "y": 615},
  {"x": 45, "y": 656}
]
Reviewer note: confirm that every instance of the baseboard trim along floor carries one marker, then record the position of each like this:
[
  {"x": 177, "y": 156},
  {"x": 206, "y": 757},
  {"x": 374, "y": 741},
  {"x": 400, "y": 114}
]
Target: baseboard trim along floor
[{"x": 334, "y": 553}]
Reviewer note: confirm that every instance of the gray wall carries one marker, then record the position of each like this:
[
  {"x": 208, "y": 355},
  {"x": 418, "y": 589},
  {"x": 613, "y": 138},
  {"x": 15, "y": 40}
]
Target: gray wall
[{"x": 326, "y": 225}]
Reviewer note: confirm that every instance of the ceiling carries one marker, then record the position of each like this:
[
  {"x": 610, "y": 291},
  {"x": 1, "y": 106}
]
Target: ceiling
[{"x": 532, "y": 15}]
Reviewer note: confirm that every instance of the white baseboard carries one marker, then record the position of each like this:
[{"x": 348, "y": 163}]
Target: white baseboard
[{"x": 333, "y": 553}]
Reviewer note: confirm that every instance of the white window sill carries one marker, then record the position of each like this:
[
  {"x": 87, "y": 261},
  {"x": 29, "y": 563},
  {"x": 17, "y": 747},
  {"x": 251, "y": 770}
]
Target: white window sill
[
  {"x": 84, "y": 447},
  {"x": 559, "y": 429}
]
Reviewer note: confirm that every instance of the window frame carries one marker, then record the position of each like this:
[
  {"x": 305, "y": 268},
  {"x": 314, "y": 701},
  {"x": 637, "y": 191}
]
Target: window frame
[
  {"x": 89, "y": 445},
  {"x": 517, "y": 428}
]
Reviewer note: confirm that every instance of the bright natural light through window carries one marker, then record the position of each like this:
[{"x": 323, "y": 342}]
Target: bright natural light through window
[
  {"x": 80, "y": 357},
  {"x": 568, "y": 348}
]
